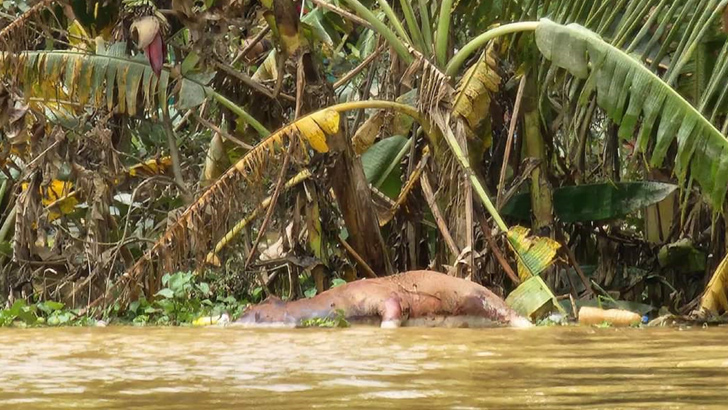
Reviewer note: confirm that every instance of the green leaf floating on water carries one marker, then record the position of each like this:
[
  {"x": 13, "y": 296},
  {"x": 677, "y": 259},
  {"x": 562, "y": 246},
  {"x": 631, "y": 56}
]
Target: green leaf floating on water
[
  {"x": 633, "y": 96},
  {"x": 594, "y": 202}
]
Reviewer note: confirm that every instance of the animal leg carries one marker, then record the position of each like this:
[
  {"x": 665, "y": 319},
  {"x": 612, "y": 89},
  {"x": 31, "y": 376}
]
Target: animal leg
[{"x": 391, "y": 313}]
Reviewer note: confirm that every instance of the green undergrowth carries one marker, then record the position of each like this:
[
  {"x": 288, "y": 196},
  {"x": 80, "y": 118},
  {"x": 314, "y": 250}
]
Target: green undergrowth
[
  {"x": 45, "y": 313},
  {"x": 182, "y": 300}
]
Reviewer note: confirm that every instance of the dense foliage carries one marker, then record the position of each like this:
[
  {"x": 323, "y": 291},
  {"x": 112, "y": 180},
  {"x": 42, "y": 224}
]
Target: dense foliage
[{"x": 171, "y": 159}]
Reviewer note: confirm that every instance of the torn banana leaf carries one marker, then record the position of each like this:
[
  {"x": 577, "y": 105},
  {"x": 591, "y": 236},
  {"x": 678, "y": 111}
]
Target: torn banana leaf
[
  {"x": 532, "y": 297},
  {"x": 474, "y": 91},
  {"x": 109, "y": 78},
  {"x": 535, "y": 253}
]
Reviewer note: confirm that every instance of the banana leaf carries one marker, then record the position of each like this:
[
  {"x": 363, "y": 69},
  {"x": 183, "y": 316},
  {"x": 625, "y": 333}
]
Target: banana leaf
[
  {"x": 642, "y": 104},
  {"x": 376, "y": 161},
  {"x": 109, "y": 79},
  {"x": 594, "y": 202}
]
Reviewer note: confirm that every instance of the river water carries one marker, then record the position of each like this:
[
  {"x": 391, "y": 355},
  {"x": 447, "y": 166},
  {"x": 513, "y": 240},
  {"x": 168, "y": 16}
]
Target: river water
[{"x": 225, "y": 368}]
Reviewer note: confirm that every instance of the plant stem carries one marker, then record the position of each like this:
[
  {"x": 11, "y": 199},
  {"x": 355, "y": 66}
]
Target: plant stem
[
  {"x": 382, "y": 29},
  {"x": 343, "y": 13},
  {"x": 465, "y": 164},
  {"x": 414, "y": 28},
  {"x": 176, "y": 159},
  {"x": 380, "y": 104},
  {"x": 394, "y": 20},
  {"x": 443, "y": 29},
  {"x": 459, "y": 59},
  {"x": 238, "y": 111},
  {"x": 348, "y": 76},
  {"x": 426, "y": 25},
  {"x": 8, "y": 223}
]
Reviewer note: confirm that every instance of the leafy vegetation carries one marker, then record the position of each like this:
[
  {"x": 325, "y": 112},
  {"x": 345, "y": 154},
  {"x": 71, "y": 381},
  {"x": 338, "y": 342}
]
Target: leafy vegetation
[
  {"x": 42, "y": 313},
  {"x": 182, "y": 300},
  {"x": 337, "y": 321},
  {"x": 165, "y": 160}
]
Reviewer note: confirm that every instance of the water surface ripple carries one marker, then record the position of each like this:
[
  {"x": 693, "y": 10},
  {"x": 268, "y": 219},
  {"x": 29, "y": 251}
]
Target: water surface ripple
[{"x": 213, "y": 368}]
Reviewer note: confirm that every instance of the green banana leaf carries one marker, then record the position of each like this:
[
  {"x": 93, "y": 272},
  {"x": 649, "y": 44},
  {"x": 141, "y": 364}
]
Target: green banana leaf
[
  {"x": 110, "y": 78},
  {"x": 632, "y": 95},
  {"x": 377, "y": 159},
  {"x": 594, "y": 202}
]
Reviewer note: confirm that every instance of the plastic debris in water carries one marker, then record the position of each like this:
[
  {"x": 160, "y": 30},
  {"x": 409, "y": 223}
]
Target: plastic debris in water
[
  {"x": 615, "y": 317},
  {"x": 212, "y": 320}
]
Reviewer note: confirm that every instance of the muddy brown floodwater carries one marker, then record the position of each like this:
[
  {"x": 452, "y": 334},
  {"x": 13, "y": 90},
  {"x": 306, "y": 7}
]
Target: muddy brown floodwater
[{"x": 226, "y": 368}]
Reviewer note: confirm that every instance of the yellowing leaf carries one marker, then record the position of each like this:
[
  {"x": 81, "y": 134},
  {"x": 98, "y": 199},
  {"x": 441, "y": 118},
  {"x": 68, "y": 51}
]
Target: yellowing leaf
[
  {"x": 56, "y": 190},
  {"x": 315, "y": 127},
  {"x": 77, "y": 35},
  {"x": 328, "y": 120},
  {"x": 313, "y": 134},
  {"x": 151, "y": 167},
  {"x": 474, "y": 94},
  {"x": 121, "y": 88},
  {"x": 58, "y": 194},
  {"x": 83, "y": 86},
  {"x": 537, "y": 253},
  {"x": 134, "y": 76},
  {"x": 715, "y": 296}
]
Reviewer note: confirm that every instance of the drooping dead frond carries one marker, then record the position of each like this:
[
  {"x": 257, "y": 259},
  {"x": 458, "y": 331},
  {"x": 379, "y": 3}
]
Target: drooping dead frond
[
  {"x": 435, "y": 101},
  {"x": 8, "y": 35},
  {"x": 434, "y": 91},
  {"x": 192, "y": 235},
  {"x": 212, "y": 257},
  {"x": 715, "y": 296},
  {"x": 474, "y": 92}
]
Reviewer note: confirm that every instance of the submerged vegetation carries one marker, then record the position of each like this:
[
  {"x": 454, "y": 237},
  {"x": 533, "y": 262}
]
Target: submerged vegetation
[
  {"x": 166, "y": 160},
  {"x": 338, "y": 320}
]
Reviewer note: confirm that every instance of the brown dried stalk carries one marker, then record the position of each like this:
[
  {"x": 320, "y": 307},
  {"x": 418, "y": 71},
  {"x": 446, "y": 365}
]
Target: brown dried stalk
[{"x": 19, "y": 22}]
